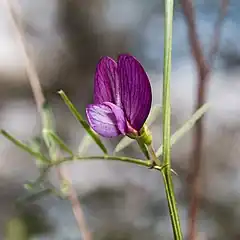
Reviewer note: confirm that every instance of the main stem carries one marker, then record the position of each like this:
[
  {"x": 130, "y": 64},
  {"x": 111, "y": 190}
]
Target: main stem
[
  {"x": 172, "y": 204},
  {"x": 166, "y": 172}
]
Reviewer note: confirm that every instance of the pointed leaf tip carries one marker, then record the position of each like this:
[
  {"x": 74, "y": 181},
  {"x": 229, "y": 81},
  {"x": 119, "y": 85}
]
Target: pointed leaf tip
[{"x": 81, "y": 120}]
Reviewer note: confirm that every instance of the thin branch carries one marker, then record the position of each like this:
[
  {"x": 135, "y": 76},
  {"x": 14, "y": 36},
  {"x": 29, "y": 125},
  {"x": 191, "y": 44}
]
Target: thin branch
[
  {"x": 136, "y": 161},
  {"x": 195, "y": 45},
  {"x": 203, "y": 68},
  {"x": 217, "y": 33},
  {"x": 30, "y": 68},
  {"x": 58, "y": 162},
  {"x": 40, "y": 99},
  {"x": 76, "y": 205}
]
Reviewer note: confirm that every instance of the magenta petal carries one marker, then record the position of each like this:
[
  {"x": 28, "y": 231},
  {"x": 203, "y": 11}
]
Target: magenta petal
[
  {"x": 136, "y": 94},
  {"x": 119, "y": 114},
  {"x": 106, "y": 119},
  {"x": 105, "y": 78}
]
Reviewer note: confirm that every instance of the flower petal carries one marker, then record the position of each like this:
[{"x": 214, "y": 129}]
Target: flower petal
[
  {"x": 105, "y": 79},
  {"x": 119, "y": 114},
  {"x": 136, "y": 94},
  {"x": 106, "y": 119}
]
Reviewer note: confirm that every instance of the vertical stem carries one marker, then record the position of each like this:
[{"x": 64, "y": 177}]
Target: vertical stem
[
  {"x": 172, "y": 204},
  {"x": 167, "y": 177},
  {"x": 204, "y": 68},
  {"x": 166, "y": 80}
]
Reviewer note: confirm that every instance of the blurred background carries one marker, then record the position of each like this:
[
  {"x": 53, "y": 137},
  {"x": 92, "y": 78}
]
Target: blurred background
[{"x": 66, "y": 38}]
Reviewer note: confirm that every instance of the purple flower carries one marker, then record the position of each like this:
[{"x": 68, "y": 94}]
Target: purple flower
[{"x": 122, "y": 97}]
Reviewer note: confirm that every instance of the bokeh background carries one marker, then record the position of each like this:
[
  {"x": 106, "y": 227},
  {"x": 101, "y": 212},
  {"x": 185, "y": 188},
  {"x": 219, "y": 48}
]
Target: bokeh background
[{"x": 120, "y": 201}]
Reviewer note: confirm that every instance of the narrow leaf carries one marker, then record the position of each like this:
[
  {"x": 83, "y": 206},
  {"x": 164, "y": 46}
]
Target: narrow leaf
[
  {"x": 84, "y": 123},
  {"x": 24, "y": 147},
  {"x": 186, "y": 127},
  {"x": 59, "y": 141},
  {"x": 47, "y": 117},
  {"x": 48, "y": 125},
  {"x": 35, "y": 145}
]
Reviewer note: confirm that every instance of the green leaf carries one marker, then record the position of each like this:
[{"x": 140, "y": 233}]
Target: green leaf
[
  {"x": 185, "y": 128},
  {"x": 24, "y": 147},
  {"x": 35, "y": 145},
  {"x": 84, "y": 123},
  {"x": 48, "y": 126},
  {"x": 126, "y": 141},
  {"x": 59, "y": 141}
]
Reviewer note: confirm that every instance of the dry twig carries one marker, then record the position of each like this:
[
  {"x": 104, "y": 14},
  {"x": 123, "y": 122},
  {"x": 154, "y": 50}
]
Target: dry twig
[
  {"x": 203, "y": 67},
  {"x": 40, "y": 99}
]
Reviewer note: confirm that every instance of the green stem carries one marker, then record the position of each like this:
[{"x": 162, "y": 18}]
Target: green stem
[
  {"x": 58, "y": 140},
  {"x": 84, "y": 123},
  {"x": 172, "y": 204},
  {"x": 167, "y": 176},
  {"x": 104, "y": 157},
  {"x": 24, "y": 147},
  {"x": 143, "y": 148},
  {"x": 167, "y": 179},
  {"x": 166, "y": 81},
  {"x": 107, "y": 157},
  {"x": 154, "y": 156}
]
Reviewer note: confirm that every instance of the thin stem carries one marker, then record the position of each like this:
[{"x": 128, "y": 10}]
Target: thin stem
[
  {"x": 154, "y": 156},
  {"x": 30, "y": 68},
  {"x": 143, "y": 148},
  {"x": 214, "y": 47},
  {"x": 172, "y": 205},
  {"x": 167, "y": 179},
  {"x": 59, "y": 141},
  {"x": 76, "y": 205},
  {"x": 167, "y": 176},
  {"x": 139, "y": 162},
  {"x": 166, "y": 80},
  {"x": 24, "y": 147},
  {"x": 84, "y": 123},
  {"x": 107, "y": 157},
  {"x": 40, "y": 100},
  {"x": 204, "y": 68}
]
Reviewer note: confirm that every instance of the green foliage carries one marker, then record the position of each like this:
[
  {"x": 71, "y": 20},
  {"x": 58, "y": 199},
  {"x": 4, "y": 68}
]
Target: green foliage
[
  {"x": 84, "y": 123},
  {"x": 185, "y": 128}
]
